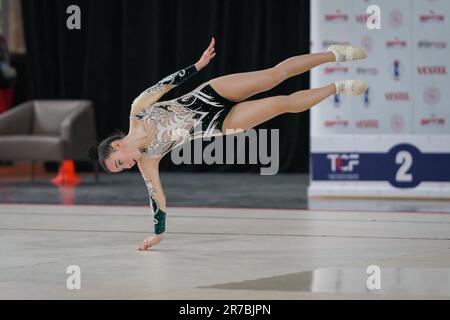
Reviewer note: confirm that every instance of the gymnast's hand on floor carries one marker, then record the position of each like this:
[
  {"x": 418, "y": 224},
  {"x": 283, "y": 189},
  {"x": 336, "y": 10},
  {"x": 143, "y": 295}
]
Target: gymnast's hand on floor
[
  {"x": 150, "y": 241},
  {"x": 207, "y": 55}
]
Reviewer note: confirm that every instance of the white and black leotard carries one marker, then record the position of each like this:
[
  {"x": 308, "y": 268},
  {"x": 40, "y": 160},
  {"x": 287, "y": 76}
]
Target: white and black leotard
[{"x": 196, "y": 114}]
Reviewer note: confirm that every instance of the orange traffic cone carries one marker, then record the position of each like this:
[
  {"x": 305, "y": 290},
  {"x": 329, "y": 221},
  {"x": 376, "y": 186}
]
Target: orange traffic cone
[{"x": 66, "y": 174}]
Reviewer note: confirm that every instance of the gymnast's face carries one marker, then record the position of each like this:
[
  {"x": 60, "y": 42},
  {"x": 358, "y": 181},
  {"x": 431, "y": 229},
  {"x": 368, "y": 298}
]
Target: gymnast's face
[{"x": 123, "y": 157}]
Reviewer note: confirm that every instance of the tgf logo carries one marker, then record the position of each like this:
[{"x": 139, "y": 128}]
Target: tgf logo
[{"x": 343, "y": 162}]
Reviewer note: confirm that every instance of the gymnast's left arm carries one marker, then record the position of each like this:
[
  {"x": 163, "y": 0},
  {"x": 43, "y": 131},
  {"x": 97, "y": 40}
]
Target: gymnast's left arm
[
  {"x": 155, "y": 92},
  {"x": 150, "y": 173}
]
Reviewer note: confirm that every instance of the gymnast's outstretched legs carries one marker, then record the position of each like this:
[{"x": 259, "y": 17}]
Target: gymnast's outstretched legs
[
  {"x": 248, "y": 114},
  {"x": 240, "y": 86}
]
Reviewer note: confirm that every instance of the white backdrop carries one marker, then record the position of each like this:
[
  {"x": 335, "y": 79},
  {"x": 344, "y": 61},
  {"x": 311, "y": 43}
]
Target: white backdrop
[{"x": 394, "y": 140}]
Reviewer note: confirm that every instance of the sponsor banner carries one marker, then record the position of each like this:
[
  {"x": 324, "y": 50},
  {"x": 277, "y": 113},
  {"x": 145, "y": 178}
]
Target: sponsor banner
[
  {"x": 431, "y": 94},
  {"x": 403, "y": 166},
  {"x": 398, "y": 133},
  {"x": 407, "y": 69},
  {"x": 335, "y": 113}
]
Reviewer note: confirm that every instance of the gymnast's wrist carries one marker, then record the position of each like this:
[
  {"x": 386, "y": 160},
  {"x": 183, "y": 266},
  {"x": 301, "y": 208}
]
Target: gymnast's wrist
[
  {"x": 197, "y": 66},
  {"x": 159, "y": 221}
]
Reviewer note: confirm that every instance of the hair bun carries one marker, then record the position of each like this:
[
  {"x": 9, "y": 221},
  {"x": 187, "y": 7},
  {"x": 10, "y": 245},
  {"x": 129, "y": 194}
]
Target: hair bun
[{"x": 93, "y": 153}]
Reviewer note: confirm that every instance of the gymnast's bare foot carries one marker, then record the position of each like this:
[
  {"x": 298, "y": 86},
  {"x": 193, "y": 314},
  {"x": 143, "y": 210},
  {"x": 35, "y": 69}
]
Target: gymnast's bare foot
[{"x": 150, "y": 241}]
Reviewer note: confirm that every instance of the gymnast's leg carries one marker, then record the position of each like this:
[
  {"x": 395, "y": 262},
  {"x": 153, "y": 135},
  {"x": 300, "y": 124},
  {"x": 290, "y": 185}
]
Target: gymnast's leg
[
  {"x": 240, "y": 86},
  {"x": 248, "y": 114}
]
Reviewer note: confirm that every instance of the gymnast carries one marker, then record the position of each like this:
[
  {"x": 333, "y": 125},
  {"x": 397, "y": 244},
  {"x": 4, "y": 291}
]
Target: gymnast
[{"x": 216, "y": 107}]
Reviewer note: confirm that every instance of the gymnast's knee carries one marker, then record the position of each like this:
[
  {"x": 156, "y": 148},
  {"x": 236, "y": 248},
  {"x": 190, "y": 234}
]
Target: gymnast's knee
[
  {"x": 277, "y": 75},
  {"x": 290, "y": 104},
  {"x": 283, "y": 104}
]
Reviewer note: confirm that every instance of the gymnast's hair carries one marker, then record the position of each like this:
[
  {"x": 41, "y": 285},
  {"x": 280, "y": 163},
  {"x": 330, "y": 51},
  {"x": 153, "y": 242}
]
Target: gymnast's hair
[{"x": 104, "y": 149}]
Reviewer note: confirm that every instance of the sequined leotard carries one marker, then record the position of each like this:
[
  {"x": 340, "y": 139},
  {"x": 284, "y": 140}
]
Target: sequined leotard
[{"x": 196, "y": 114}]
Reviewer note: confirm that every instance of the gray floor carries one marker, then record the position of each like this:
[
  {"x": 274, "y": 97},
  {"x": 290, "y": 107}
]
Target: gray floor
[
  {"x": 229, "y": 236},
  {"x": 222, "y": 253}
]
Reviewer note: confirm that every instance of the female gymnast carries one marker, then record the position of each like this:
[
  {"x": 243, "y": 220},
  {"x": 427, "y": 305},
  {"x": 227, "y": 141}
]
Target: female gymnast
[{"x": 216, "y": 107}]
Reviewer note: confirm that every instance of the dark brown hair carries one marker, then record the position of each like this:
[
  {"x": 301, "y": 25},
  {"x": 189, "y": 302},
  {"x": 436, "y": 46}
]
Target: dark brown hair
[{"x": 104, "y": 149}]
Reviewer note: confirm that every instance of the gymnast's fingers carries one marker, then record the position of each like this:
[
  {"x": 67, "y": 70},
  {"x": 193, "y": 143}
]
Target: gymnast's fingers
[
  {"x": 211, "y": 45},
  {"x": 143, "y": 245}
]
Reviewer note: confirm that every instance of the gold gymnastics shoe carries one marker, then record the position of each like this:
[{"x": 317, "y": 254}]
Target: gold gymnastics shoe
[
  {"x": 353, "y": 87},
  {"x": 347, "y": 53}
]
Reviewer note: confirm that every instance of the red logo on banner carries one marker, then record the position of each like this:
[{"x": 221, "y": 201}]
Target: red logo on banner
[
  {"x": 336, "y": 69},
  {"x": 396, "y": 44},
  {"x": 432, "y": 17},
  {"x": 432, "y": 96},
  {"x": 432, "y": 121},
  {"x": 362, "y": 18},
  {"x": 336, "y": 17},
  {"x": 432, "y": 70},
  {"x": 336, "y": 123}
]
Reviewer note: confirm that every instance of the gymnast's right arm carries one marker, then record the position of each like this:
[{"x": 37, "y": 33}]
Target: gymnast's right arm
[
  {"x": 149, "y": 170},
  {"x": 153, "y": 94}
]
